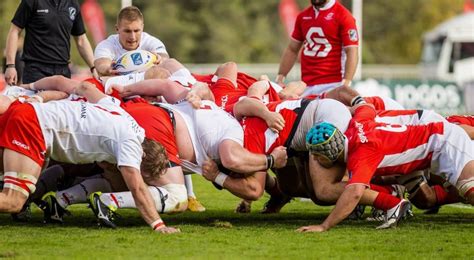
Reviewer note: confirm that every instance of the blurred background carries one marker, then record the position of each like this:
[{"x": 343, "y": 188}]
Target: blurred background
[{"x": 419, "y": 52}]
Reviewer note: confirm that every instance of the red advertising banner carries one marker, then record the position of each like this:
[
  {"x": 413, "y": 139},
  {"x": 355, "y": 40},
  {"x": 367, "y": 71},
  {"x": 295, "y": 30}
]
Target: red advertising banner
[{"x": 94, "y": 19}]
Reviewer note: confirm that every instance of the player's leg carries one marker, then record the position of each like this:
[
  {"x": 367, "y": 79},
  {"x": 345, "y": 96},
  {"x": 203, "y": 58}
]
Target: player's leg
[
  {"x": 20, "y": 176},
  {"x": 193, "y": 203}
]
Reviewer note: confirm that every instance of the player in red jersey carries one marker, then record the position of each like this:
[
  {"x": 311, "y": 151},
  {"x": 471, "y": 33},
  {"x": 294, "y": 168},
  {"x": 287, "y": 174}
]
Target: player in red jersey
[
  {"x": 328, "y": 34},
  {"x": 372, "y": 148}
]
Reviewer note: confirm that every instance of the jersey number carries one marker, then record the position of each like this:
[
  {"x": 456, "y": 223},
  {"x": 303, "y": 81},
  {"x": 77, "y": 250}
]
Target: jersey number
[
  {"x": 393, "y": 128},
  {"x": 316, "y": 43}
]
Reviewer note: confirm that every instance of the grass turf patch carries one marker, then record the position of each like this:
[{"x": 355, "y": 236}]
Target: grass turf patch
[{"x": 220, "y": 233}]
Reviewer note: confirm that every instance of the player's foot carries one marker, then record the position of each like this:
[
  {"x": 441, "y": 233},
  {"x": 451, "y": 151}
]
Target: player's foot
[
  {"x": 395, "y": 214},
  {"x": 243, "y": 207},
  {"x": 53, "y": 212},
  {"x": 105, "y": 214},
  {"x": 376, "y": 215},
  {"x": 275, "y": 204},
  {"x": 194, "y": 205},
  {"x": 357, "y": 213},
  {"x": 24, "y": 215}
]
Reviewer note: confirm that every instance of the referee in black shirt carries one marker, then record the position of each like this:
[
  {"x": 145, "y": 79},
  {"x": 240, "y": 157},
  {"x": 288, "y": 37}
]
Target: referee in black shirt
[{"x": 49, "y": 25}]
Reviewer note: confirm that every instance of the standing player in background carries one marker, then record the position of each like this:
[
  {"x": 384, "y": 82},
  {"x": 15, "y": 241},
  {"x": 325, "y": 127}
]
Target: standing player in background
[
  {"x": 129, "y": 37},
  {"x": 49, "y": 26},
  {"x": 329, "y": 57}
]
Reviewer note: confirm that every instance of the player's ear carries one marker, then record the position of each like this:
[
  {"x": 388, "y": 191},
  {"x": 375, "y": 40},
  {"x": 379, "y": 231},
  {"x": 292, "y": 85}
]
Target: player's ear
[{"x": 143, "y": 155}]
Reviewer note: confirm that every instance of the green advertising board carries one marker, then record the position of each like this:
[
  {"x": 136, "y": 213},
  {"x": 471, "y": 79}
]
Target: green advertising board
[{"x": 444, "y": 97}]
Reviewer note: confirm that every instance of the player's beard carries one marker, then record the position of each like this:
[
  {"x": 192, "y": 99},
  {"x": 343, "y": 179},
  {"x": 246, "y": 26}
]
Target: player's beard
[{"x": 318, "y": 3}]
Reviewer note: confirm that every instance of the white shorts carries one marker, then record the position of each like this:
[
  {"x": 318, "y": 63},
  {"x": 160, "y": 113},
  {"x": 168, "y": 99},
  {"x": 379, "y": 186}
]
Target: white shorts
[
  {"x": 454, "y": 151},
  {"x": 320, "y": 89},
  {"x": 124, "y": 80},
  {"x": 169, "y": 198}
]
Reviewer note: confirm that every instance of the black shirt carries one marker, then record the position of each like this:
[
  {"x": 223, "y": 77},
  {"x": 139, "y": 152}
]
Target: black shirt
[{"x": 49, "y": 25}]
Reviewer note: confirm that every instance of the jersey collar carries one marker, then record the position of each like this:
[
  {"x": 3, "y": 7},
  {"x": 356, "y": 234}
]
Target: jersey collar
[{"x": 327, "y": 6}]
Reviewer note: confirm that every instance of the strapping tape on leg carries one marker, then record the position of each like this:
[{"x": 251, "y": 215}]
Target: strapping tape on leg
[
  {"x": 21, "y": 182},
  {"x": 465, "y": 186}
]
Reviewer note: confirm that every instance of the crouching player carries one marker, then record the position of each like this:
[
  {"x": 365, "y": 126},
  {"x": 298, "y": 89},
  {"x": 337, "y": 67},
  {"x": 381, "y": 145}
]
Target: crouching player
[
  {"x": 372, "y": 148},
  {"x": 72, "y": 132}
]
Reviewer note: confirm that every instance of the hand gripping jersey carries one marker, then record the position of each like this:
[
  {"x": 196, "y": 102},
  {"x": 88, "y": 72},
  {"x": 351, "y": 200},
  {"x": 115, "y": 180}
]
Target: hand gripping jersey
[
  {"x": 324, "y": 34},
  {"x": 386, "y": 149}
]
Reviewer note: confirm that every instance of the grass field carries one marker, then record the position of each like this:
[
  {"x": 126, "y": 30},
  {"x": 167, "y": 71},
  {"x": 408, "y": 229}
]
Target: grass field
[{"x": 447, "y": 235}]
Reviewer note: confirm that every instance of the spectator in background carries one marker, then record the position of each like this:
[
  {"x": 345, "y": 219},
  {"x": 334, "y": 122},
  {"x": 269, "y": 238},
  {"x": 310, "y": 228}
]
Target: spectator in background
[
  {"x": 49, "y": 26},
  {"x": 329, "y": 58},
  {"x": 129, "y": 37}
]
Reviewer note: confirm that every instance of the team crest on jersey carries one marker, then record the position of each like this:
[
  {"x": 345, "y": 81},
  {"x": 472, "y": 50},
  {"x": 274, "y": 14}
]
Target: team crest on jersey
[
  {"x": 72, "y": 13},
  {"x": 329, "y": 16},
  {"x": 353, "y": 35}
]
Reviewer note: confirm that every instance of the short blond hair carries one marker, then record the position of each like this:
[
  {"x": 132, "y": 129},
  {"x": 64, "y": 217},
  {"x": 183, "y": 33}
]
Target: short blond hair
[{"x": 130, "y": 13}]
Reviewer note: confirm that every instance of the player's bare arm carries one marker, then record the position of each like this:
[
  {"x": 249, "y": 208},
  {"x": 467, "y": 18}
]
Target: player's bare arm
[
  {"x": 104, "y": 67},
  {"x": 288, "y": 59},
  {"x": 254, "y": 107}
]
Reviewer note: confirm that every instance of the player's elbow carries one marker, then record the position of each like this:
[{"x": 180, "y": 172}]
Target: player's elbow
[{"x": 254, "y": 191}]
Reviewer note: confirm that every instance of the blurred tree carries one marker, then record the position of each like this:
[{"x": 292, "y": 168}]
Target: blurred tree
[{"x": 251, "y": 31}]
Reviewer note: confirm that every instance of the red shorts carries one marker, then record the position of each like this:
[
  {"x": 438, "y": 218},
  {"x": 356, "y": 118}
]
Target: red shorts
[{"x": 20, "y": 131}]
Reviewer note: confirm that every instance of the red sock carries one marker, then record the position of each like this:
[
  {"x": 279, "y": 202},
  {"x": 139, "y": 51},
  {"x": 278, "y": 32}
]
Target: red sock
[
  {"x": 384, "y": 189},
  {"x": 385, "y": 201},
  {"x": 443, "y": 197}
]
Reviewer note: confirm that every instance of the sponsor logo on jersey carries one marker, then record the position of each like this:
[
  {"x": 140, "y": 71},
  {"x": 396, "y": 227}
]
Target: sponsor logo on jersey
[
  {"x": 224, "y": 100},
  {"x": 137, "y": 58},
  {"x": 329, "y": 16},
  {"x": 361, "y": 133},
  {"x": 307, "y": 17},
  {"x": 353, "y": 35},
  {"x": 42, "y": 11},
  {"x": 20, "y": 144},
  {"x": 72, "y": 13}
]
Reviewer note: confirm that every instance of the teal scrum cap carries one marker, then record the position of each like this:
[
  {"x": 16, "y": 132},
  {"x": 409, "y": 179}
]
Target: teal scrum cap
[{"x": 326, "y": 140}]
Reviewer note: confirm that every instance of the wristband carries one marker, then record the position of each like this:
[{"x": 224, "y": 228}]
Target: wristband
[
  {"x": 92, "y": 69},
  {"x": 357, "y": 100},
  {"x": 157, "y": 224},
  {"x": 220, "y": 179},
  {"x": 11, "y": 65},
  {"x": 270, "y": 161}
]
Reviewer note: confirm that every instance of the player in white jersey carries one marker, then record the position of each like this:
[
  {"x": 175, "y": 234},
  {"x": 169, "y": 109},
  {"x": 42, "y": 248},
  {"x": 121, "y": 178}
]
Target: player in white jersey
[
  {"x": 73, "y": 132},
  {"x": 130, "y": 36}
]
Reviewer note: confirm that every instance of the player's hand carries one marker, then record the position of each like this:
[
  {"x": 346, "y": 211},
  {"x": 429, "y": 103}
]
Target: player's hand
[
  {"x": 159, "y": 59},
  {"x": 280, "y": 156},
  {"x": 280, "y": 80},
  {"x": 315, "y": 228},
  {"x": 11, "y": 76},
  {"x": 209, "y": 170},
  {"x": 168, "y": 230},
  {"x": 95, "y": 73},
  {"x": 275, "y": 121},
  {"x": 194, "y": 99},
  {"x": 110, "y": 71}
]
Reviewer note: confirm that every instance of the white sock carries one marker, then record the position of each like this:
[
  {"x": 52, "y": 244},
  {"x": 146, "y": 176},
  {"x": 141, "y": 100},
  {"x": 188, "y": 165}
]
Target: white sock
[
  {"x": 80, "y": 192},
  {"x": 188, "y": 182},
  {"x": 125, "y": 199}
]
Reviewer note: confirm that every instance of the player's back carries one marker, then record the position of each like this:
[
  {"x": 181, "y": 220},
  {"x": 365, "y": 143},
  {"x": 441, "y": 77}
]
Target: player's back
[{"x": 82, "y": 132}]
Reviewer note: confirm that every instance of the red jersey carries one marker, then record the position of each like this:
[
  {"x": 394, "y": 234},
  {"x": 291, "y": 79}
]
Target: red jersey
[
  {"x": 324, "y": 33},
  {"x": 258, "y": 138},
  {"x": 461, "y": 120},
  {"x": 378, "y": 102},
  {"x": 158, "y": 126},
  {"x": 385, "y": 149}
]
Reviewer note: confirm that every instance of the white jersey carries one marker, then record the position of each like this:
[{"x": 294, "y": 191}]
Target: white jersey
[
  {"x": 208, "y": 127},
  {"x": 112, "y": 49},
  {"x": 123, "y": 80},
  {"x": 82, "y": 132}
]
